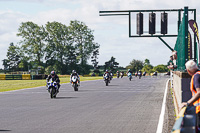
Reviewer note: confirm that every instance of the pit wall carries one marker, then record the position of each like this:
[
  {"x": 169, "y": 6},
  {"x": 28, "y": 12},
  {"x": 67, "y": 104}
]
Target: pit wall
[{"x": 181, "y": 88}]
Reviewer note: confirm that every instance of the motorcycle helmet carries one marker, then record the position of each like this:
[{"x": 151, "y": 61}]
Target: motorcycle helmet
[
  {"x": 73, "y": 71},
  {"x": 53, "y": 74}
]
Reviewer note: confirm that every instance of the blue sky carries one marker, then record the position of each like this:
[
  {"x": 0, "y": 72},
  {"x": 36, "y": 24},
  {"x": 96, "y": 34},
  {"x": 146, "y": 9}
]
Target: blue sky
[{"x": 110, "y": 32}]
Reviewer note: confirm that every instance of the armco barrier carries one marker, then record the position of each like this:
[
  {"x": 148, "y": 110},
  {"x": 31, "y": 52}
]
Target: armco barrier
[
  {"x": 2, "y": 77},
  {"x": 26, "y": 76},
  {"x": 41, "y": 76},
  {"x": 22, "y": 77},
  {"x": 14, "y": 77},
  {"x": 186, "y": 121}
]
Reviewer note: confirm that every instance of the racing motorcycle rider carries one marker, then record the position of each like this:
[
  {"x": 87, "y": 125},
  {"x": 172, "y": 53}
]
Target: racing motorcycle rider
[
  {"x": 74, "y": 73},
  {"x": 54, "y": 77},
  {"x": 106, "y": 72},
  {"x": 117, "y": 74},
  {"x": 129, "y": 70}
]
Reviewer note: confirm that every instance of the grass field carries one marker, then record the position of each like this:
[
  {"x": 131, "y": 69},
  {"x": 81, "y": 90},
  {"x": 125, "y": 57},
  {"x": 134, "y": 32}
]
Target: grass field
[{"x": 8, "y": 85}]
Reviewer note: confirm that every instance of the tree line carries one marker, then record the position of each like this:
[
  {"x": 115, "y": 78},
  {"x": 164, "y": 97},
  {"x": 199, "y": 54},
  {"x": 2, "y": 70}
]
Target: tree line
[
  {"x": 136, "y": 65},
  {"x": 53, "y": 46}
]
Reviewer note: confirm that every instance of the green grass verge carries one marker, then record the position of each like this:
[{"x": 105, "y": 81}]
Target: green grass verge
[{"x": 8, "y": 85}]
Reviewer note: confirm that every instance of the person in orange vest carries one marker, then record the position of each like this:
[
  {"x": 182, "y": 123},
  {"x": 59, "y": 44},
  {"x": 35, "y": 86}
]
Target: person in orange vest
[{"x": 193, "y": 71}]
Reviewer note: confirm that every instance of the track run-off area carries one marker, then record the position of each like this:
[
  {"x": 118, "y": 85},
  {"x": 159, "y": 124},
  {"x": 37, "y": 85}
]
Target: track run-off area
[{"x": 122, "y": 107}]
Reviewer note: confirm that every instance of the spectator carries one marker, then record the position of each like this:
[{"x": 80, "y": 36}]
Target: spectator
[{"x": 193, "y": 71}]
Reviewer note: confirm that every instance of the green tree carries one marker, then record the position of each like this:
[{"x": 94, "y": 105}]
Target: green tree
[
  {"x": 111, "y": 64},
  {"x": 58, "y": 44},
  {"x": 135, "y": 65},
  {"x": 24, "y": 65},
  {"x": 83, "y": 40},
  {"x": 13, "y": 57},
  {"x": 147, "y": 68},
  {"x": 161, "y": 68},
  {"x": 5, "y": 64},
  {"x": 71, "y": 59},
  {"x": 32, "y": 42},
  {"x": 146, "y": 62},
  {"x": 94, "y": 60}
]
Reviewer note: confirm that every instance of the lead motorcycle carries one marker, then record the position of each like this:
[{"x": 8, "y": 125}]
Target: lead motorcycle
[
  {"x": 75, "y": 83},
  {"x": 52, "y": 88},
  {"x": 106, "y": 79}
]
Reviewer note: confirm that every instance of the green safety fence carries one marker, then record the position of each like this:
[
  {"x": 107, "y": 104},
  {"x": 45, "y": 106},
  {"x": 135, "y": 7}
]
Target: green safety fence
[{"x": 181, "y": 43}]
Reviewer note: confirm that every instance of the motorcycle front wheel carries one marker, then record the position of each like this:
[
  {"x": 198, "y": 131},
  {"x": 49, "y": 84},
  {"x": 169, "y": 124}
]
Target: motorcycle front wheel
[
  {"x": 107, "y": 82},
  {"x": 75, "y": 87},
  {"x": 53, "y": 93}
]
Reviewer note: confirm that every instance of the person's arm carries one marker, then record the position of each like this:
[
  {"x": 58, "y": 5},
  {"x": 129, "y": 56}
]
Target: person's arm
[
  {"x": 78, "y": 76},
  {"x": 57, "y": 79},
  {"x": 195, "y": 97}
]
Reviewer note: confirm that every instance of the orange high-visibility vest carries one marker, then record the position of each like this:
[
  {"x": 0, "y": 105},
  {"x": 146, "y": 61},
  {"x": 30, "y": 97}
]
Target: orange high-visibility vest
[{"x": 197, "y": 102}]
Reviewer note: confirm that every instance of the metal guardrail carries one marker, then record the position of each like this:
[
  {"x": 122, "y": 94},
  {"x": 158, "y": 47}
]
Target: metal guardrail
[
  {"x": 22, "y": 76},
  {"x": 186, "y": 121},
  {"x": 179, "y": 120},
  {"x": 14, "y": 77}
]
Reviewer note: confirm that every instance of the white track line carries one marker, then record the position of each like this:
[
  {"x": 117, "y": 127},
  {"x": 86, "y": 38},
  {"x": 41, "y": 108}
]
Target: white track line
[{"x": 162, "y": 114}]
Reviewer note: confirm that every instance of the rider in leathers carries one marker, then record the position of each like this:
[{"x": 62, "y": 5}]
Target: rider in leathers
[
  {"x": 54, "y": 77},
  {"x": 74, "y": 73},
  {"x": 107, "y": 72}
]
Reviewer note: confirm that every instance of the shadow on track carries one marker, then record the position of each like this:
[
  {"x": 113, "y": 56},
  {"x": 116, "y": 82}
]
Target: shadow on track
[
  {"x": 113, "y": 85},
  {"x": 2, "y": 130},
  {"x": 65, "y": 97}
]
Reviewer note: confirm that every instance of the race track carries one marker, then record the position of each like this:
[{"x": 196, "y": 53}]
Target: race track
[{"x": 122, "y": 107}]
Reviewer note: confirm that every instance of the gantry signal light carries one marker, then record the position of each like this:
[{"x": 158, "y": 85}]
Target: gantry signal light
[
  {"x": 140, "y": 23},
  {"x": 164, "y": 17},
  {"x": 152, "y": 23}
]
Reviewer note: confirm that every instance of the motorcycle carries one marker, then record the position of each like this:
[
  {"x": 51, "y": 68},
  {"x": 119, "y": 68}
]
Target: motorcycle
[
  {"x": 106, "y": 79},
  {"x": 75, "y": 83},
  {"x": 144, "y": 74},
  {"x": 52, "y": 88},
  {"x": 117, "y": 75},
  {"x": 136, "y": 74},
  {"x": 122, "y": 74},
  {"x": 129, "y": 76},
  {"x": 139, "y": 75}
]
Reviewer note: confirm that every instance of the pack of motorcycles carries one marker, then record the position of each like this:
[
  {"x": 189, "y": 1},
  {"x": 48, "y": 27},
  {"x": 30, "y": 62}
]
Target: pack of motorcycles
[
  {"x": 53, "y": 87},
  {"x": 108, "y": 78}
]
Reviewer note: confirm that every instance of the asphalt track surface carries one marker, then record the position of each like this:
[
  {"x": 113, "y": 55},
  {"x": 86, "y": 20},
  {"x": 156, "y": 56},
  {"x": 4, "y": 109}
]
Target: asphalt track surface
[{"x": 122, "y": 107}]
